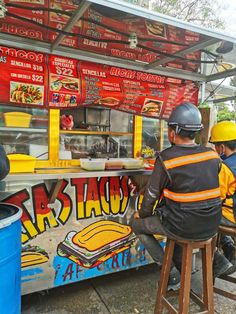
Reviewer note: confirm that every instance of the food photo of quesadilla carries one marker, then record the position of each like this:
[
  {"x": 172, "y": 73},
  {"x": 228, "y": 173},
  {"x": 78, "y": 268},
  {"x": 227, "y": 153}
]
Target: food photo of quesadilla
[
  {"x": 96, "y": 243},
  {"x": 32, "y": 256}
]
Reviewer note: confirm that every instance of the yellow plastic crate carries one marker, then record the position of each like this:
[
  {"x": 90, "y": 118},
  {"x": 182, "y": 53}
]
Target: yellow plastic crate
[
  {"x": 21, "y": 163},
  {"x": 17, "y": 119}
]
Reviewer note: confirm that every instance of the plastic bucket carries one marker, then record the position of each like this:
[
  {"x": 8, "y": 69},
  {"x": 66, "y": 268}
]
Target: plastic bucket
[{"x": 10, "y": 259}]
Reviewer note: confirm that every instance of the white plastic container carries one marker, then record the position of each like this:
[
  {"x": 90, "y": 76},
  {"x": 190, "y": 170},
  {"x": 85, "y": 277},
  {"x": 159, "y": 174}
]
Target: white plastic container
[
  {"x": 93, "y": 164},
  {"x": 132, "y": 163}
]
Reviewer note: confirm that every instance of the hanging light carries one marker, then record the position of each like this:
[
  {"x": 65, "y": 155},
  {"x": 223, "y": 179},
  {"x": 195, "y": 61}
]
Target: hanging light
[{"x": 133, "y": 40}]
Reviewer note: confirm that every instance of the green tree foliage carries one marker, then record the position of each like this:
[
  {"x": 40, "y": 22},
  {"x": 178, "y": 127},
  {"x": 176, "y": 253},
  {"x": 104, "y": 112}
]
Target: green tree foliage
[
  {"x": 202, "y": 12},
  {"x": 224, "y": 113}
]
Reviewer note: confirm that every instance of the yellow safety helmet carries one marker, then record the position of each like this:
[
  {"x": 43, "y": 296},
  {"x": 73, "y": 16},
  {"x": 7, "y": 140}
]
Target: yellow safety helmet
[{"x": 223, "y": 131}]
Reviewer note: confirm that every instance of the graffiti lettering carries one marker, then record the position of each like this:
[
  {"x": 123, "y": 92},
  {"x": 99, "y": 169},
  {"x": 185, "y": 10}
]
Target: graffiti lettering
[
  {"x": 93, "y": 204},
  {"x": 66, "y": 203},
  {"x": 100, "y": 196},
  {"x": 78, "y": 270},
  {"x": 103, "y": 196},
  {"x": 69, "y": 272},
  {"x": 115, "y": 263},
  {"x": 125, "y": 190},
  {"x": 94, "y": 197},
  {"x": 126, "y": 256},
  {"x": 43, "y": 214}
]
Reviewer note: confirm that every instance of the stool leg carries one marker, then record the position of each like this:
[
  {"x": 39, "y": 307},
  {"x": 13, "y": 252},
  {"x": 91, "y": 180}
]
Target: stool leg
[
  {"x": 186, "y": 270},
  {"x": 165, "y": 270},
  {"x": 207, "y": 278},
  {"x": 214, "y": 243}
]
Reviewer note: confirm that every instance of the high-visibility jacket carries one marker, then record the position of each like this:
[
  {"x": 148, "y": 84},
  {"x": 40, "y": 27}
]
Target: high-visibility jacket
[
  {"x": 227, "y": 178},
  {"x": 186, "y": 180}
]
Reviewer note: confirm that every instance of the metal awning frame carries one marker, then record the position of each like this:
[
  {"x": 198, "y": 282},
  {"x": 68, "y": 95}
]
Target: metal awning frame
[
  {"x": 72, "y": 21},
  {"x": 33, "y": 45},
  {"x": 156, "y": 67},
  {"x": 219, "y": 100}
]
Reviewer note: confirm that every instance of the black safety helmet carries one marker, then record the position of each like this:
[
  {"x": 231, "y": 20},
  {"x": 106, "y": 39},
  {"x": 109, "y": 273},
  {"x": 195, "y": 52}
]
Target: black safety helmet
[{"x": 186, "y": 117}]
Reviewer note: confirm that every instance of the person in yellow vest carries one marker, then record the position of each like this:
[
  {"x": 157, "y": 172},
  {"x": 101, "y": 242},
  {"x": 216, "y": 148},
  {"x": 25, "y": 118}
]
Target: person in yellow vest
[
  {"x": 186, "y": 184},
  {"x": 223, "y": 136}
]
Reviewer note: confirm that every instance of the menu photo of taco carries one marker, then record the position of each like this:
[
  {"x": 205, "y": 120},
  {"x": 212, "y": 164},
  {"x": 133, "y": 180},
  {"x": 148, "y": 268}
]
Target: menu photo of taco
[
  {"x": 59, "y": 83},
  {"x": 96, "y": 243},
  {"x": 108, "y": 101},
  {"x": 26, "y": 93},
  {"x": 156, "y": 28},
  {"x": 152, "y": 107},
  {"x": 33, "y": 256}
]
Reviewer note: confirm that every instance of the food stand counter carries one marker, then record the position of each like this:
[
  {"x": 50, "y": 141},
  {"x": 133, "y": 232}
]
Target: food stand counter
[
  {"x": 62, "y": 202},
  {"x": 75, "y": 224},
  {"x": 59, "y": 60}
]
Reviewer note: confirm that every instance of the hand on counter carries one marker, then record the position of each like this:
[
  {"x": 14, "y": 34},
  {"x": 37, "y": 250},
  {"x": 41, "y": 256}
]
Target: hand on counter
[{"x": 136, "y": 215}]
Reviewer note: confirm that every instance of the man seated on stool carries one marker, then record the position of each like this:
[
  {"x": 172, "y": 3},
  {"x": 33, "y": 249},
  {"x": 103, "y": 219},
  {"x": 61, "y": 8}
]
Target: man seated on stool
[
  {"x": 223, "y": 136},
  {"x": 186, "y": 183}
]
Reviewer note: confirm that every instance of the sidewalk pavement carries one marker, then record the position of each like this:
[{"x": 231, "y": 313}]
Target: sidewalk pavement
[{"x": 126, "y": 292}]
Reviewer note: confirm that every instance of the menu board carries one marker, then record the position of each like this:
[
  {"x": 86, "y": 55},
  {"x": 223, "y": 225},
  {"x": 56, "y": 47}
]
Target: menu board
[
  {"x": 23, "y": 77},
  {"x": 133, "y": 91},
  {"x": 98, "y": 86},
  {"x": 64, "y": 85},
  {"x": 34, "y": 79},
  {"x": 178, "y": 93}
]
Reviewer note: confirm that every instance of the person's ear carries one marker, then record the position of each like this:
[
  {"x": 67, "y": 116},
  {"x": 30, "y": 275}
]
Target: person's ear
[
  {"x": 171, "y": 135},
  {"x": 222, "y": 149}
]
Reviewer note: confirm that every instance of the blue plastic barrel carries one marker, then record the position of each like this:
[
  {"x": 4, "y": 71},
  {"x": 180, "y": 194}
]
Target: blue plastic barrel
[{"x": 10, "y": 259}]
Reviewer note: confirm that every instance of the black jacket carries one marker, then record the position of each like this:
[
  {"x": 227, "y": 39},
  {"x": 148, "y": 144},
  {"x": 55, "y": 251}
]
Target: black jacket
[
  {"x": 185, "y": 181},
  {"x": 4, "y": 164}
]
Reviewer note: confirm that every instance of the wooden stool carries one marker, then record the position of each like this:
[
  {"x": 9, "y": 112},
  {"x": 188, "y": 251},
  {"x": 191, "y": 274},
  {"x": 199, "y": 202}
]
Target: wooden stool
[
  {"x": 230, "y": 231},
  {"x": 185, "y": 284}
]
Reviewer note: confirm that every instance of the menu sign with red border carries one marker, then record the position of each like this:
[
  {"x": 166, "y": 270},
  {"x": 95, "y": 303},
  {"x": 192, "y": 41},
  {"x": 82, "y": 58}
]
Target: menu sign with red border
[
  {"x": 133, "y": 91},
  {"x": 23, "y": 77},
  {"x": 64, "y": 86},
  {"x": 34, "y": 79}
]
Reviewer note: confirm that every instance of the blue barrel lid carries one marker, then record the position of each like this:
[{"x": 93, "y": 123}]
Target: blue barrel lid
[{"x": 9, "y": 213}]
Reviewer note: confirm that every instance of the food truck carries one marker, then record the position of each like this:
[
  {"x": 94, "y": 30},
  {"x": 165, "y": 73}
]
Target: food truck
[{"x": 86, "y": 89}]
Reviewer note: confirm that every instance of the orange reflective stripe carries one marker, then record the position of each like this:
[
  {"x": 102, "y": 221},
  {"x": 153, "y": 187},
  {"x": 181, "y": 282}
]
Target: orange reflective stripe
[
  {"x": 192, "y": 197},
  {"x": 190, "y": 159}
]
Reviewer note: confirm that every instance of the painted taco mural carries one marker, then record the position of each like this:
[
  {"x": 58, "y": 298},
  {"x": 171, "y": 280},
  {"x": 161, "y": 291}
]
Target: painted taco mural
[
  {"x": 33, "y": 256},
  {"x": 96, "y": 243}
]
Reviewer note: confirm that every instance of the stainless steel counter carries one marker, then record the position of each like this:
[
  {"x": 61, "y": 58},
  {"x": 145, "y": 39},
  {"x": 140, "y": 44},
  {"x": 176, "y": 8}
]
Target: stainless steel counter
[{"x": 75, "y": 173}]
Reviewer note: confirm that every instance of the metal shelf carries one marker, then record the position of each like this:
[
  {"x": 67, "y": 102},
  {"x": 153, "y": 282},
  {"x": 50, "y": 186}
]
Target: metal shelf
[
  {"x": 27, "y": 130},
  {"x": 95, "y": 133}
]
